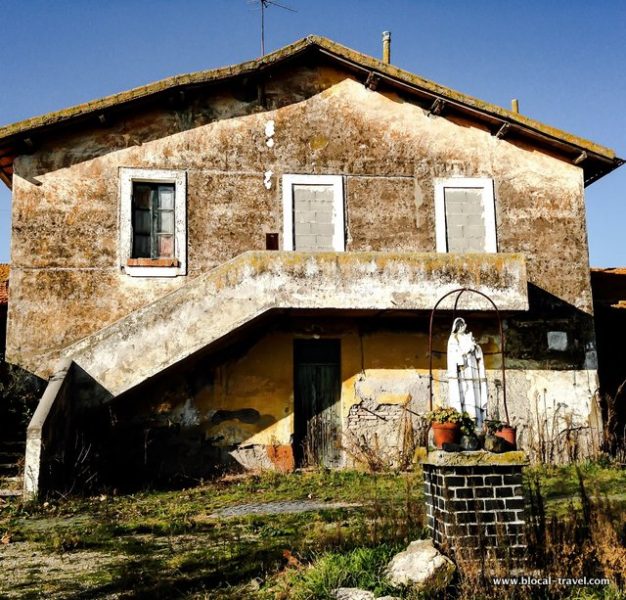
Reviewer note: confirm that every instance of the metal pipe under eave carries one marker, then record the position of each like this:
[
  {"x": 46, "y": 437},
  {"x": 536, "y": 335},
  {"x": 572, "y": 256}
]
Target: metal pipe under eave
[{"x": 387, "y": 47}]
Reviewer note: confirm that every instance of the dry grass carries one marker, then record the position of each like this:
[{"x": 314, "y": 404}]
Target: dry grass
[
  {"x": 166, "y": 544},
  {"x": 590, "y": 541}
]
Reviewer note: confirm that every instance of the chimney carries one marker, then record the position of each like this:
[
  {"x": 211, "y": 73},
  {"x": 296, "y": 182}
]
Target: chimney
[
  {"x": 387, "y": 46},
  {"x": 515, "y": 105}
]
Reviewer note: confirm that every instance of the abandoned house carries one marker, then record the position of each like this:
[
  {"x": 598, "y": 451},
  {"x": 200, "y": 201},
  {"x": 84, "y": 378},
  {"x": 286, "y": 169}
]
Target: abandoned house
[{"x": 236, "y": 268}]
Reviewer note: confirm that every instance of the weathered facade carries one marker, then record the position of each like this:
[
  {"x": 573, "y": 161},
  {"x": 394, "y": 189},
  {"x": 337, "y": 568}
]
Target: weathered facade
[{"x": 364, "y": 177}]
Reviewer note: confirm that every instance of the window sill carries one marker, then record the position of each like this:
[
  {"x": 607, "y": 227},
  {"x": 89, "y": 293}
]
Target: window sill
[
  {"x": 153, "y": 267},
  {"x": 153, "y": 262}
]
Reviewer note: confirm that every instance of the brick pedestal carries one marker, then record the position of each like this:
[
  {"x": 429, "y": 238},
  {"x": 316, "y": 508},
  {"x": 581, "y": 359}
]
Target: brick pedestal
[{"x": 475, "y": 503}]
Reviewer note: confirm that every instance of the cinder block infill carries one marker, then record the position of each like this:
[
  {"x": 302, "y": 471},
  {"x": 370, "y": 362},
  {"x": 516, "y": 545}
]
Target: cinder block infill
[{"x": 475, "y": 503}]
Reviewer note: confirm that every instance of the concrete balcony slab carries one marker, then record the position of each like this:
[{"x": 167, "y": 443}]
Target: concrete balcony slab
[{"x": 212, "y": 305}]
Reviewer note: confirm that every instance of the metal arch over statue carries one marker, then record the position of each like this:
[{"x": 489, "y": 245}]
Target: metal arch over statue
[{"x": 465, "y": 363}]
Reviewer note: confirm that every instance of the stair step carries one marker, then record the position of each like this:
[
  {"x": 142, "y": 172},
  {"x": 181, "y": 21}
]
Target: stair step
[
  {"x": 8, "y": 479},
  {"x": 16, "y": 453},
  {"x": 12, "y": 444},
  {"x": 11, "y": 486},
  {"x": 9, "y": 469},
  {"x": 6, "y": 457}
]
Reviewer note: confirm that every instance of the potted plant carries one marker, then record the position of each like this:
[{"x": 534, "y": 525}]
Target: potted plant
[
  {"x": 469, "y": 439},
  {"x": 446, "y": 425},
  {"x": 502, "y": 430}
]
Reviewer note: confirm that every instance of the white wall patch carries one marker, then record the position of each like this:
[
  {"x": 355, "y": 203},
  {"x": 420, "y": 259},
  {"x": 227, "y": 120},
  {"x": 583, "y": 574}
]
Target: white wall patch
[
  {"x": 557, "y": 340},
  {"x": 267, "y": 181},
  {"x": 270, "y": 130}
]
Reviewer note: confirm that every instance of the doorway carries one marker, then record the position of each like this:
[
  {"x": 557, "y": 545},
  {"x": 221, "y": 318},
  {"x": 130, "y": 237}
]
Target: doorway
[{"x": 317, "y": 391}]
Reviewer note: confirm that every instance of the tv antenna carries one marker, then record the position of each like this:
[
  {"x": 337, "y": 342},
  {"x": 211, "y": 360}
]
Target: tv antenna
[{"x": 263, "y": 5}]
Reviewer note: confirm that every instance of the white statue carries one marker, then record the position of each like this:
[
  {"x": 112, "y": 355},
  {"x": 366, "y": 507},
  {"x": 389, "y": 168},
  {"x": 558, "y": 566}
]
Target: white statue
[{"x": 467, "y": 383}]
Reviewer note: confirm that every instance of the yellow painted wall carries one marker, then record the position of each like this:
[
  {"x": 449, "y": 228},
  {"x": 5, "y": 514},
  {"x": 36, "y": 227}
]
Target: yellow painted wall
[{"x": 385, "y": 366}]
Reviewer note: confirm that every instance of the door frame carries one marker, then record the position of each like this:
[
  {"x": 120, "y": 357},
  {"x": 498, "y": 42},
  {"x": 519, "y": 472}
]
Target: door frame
[{"x": 298, "y": 451}]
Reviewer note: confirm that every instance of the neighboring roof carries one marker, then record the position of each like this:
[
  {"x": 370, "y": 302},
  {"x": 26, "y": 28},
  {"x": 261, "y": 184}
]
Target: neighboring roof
[
  {"x": 609, "y": 270},
  {"x": 4, "y": 283},
  {"x": 608, "y": 287},
  {"x": 596, "y": 160}
]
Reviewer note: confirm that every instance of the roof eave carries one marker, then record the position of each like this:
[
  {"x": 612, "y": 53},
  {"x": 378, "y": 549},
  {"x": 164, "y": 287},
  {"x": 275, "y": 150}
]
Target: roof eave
[{"x": 595, "y": 160}]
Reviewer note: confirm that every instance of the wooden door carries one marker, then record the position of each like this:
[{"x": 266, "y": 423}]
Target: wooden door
[{"x": 317, "y": 389}]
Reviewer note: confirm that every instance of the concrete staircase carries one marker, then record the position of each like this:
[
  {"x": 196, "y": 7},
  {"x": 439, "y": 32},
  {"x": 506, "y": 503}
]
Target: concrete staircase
[
  {"x": 11, "y": 466},
  {"x": 212, "y": 305}
]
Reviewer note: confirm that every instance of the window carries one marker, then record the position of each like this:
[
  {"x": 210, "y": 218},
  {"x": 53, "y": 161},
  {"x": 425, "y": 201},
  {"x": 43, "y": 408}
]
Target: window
[
  {"x": 313, "y": 213},
  {"x": 465, "y": 215},
  {"x": 153, "y": 230},
  {"x": 153, "y": 220}
]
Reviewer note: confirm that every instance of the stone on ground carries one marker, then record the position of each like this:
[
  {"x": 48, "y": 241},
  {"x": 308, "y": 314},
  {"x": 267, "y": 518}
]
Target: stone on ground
[
  {"x": 358, "y": 594},
  {"x": 420, "y": 565},
  {"x": 353, "y": 594}
]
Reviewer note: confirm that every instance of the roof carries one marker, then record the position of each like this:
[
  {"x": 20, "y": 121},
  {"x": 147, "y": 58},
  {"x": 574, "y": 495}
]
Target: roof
[
  {"x": 609, "y": 287},
  {"x": 594, "y": 159}
]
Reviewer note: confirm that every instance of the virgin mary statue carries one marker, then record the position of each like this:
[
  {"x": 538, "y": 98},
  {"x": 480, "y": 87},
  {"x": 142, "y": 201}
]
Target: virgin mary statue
[{"x": 467, "y": 384}]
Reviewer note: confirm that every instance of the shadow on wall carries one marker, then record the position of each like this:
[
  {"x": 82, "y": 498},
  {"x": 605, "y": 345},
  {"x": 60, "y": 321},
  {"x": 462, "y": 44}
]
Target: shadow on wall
[
  {"x": 20, "y": 391},
  {"x": 530, "y": 345},
  {"x": 67, "y": 434},
  {"x": 609, "y": 295},
  {"x": 183, "y": 425}
]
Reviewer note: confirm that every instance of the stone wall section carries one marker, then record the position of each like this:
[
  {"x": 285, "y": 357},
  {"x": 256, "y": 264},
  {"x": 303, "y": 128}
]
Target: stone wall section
[
  {"x": 383, "y": 435},
  {"x": 313, "y": 217}
]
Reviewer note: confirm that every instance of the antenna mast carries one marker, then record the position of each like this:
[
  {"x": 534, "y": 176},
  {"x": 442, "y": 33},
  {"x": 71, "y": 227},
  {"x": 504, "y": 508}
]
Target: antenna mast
[
  {"x": 263, "y": 4},
  {"x": 263, "y": 27}
]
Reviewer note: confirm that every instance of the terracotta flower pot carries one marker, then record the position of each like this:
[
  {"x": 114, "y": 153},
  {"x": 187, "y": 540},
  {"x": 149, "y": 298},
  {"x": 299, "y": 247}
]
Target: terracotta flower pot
[
  {"x": 445, "y": 433},
  {"x": 508, "y": 434}
]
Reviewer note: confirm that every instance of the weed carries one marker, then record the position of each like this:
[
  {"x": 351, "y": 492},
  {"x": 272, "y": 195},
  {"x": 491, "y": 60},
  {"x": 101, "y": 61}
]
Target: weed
[{"x": 361, "y": 567}]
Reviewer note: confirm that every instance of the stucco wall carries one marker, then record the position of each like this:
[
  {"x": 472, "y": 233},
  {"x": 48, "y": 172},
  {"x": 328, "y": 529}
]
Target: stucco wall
[
  {"x": 240, "y": 403},
  {"x": 66, "y": 277}
]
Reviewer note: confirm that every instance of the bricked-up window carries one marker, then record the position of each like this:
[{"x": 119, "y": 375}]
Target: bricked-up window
[
  {"x": 153, "y": 228},
  {"x": 313, "y": 213},
  {"x": 465, "y": 215},
  {"x": 153, "y": 220}
]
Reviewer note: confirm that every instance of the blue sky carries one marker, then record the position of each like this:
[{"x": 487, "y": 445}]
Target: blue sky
[{"x": 564, "y": 60}]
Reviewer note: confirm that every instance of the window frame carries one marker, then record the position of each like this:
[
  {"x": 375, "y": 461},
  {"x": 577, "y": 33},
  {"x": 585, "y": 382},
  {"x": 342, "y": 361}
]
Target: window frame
[
  {"x": 486, "y": 184},
  {"x": 336, "y": 181},
  {"x": 153, "y": 267}
]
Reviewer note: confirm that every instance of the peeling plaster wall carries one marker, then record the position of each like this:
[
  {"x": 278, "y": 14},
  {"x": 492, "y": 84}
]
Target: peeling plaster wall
[
  {"x": 66, "y": 277},
  {"x": 236, "y": 408}
]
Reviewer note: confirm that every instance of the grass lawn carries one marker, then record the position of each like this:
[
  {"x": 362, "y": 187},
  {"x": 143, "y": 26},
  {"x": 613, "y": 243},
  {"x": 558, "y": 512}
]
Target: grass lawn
[{"x": 172, "y": 544}]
